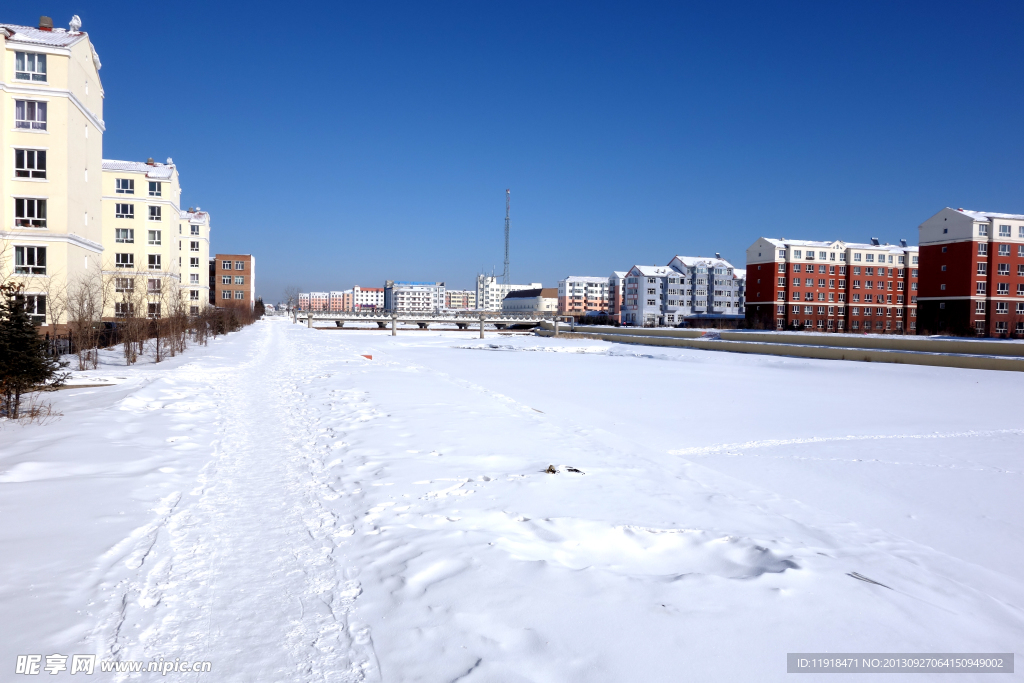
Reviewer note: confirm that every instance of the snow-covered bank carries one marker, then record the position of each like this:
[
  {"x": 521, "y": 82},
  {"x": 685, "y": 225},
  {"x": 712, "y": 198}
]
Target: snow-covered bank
[{"x": 289, "y": 510}]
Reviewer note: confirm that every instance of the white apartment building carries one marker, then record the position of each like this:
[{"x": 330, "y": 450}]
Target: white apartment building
[
  {"x": 414, "y": 297},
  {"x": 687, "y": 287},
  {"x": 461, "y": 299},
  {"x": 531, "y": 301},
  {"x": 490, "y": 293},
  {"x": 367, "y": 298}
]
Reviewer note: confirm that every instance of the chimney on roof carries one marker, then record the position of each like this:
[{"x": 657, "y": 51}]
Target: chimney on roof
[
  {"x": 874, "y": 241},
  {"x": 903, "y": 243},
  {"x": 45, "y": 24},
  {"x": 717, "y": 255},
  {"x": 150, "y": 161}
]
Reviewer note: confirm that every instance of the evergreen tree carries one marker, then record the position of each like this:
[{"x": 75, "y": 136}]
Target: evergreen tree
[{"x": 24, "y": 363}]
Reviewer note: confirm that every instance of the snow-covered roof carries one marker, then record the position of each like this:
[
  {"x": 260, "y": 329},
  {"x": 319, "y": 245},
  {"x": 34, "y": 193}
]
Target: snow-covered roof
[
  {"x": 155, "y": 170},
  {"x": 195, "y": 216},
  {"x": 739, "y": 273},
  {"x": 986, "y": 216},
  {"x": 712, "y": 261},
  {"x": 653, "y": 271},
  {"x": 838, "y": 244},
  {"x": 58, "y": 37},
  {"x": 619, "y": 273},
  {"x": 586, "y": 278}
]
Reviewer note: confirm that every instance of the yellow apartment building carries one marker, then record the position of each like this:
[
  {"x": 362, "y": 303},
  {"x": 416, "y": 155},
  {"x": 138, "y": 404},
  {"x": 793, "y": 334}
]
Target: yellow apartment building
[
  {"x": 154, "y": 254},
  {"x": 51, "y": 142}
]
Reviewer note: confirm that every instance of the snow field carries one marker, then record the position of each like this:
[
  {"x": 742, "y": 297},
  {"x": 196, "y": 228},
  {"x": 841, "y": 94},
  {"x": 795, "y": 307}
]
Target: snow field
[{"x": 289, "y": 510}]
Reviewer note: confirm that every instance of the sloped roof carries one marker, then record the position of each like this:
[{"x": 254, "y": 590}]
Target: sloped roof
[
  {"x": 544, "y": 293},
  {"x": 988, "y": 215},
  {"x": 653, "y": 271},
  {"x": 739, "y": 273},
  {"x": 586, "y": 278},
  {"x": 157, "y": 170},
  {"x": 58, "y": 37},
  {"x": 691, "y": 261}
]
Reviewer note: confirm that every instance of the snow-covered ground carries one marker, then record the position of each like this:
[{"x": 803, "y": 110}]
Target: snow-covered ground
[{"x": 289, "y": 510}]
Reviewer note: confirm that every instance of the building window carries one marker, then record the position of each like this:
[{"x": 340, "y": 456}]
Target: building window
[
  {"x": 980, "y": 288},
  {"x": 1002, "y": 307},
  {"x": 225, "y": 279},
  {"x": 979, "y": 306},
  {"x": 225, "y": 294},
  {"x": 193, "y": 310},
  {"x": 29, "y": 163},
  {"x": 29, "y": 66},
  {"x": 194, "y": 229},
  {"x": 154, "y": 189},
  {"x": 193, "y": 278},
  {"x": 154, "y": 213},
  {"x": 124, "y": 284},
  {"x": 193, "y": 262},
  {"x": 1003, "y": 269},
  {"x": 124, "y": 260},
  {"x": 239, "y": 280},
  {"x": 153, "y": 310},
  {"x": 193, "y": 295},
  {"x": 982, "y": 230},
  {"x": 124, "y": 186},
  {"x": 30, "y": 260},
  {"x": 30, "y": 213},
  {"x": 154, "y": 238},
  {"x": 1003, "y": 288},
  {"x": 983, "y": 249},
  {"x": 225, "y": 265},
  {"x": 30, "y": 114},
  {"x": 124, "y": 211},
  {"x": 124, "y": 309},
  {"x": 124, "y": 236},
  {"x": 154, "y": 261},
  {"x": 193, "y": 246},
  {"x": 239, "y": 265},
  {"x": 239, "y": 295},
  {"x": 153, "y": 286}
]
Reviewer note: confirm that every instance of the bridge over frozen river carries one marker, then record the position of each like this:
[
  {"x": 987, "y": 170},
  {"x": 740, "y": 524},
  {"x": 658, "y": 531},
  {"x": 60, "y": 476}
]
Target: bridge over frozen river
[{"x": 424, "y": 319}]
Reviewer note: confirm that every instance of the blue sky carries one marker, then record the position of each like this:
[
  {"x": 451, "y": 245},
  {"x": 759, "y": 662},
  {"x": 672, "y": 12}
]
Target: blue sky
[{"x": 348, "y": 143}]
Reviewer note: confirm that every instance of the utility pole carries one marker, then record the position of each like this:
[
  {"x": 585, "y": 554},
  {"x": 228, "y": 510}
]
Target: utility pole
[{"x": 505, "y": 275}]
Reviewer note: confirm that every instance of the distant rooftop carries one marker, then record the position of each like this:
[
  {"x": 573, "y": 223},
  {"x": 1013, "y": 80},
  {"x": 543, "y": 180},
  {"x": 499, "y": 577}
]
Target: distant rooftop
[
  {"x": 988, "y": 215},
  {"x": 154, "y": 170},
  {"x": 58, "y": 37}
]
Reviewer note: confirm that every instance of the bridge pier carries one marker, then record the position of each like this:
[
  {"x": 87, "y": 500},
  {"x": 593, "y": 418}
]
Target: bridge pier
[
  {"x": 481, "y": 327},
  {"x": 339, "y": 323},
  {"x": 309, "y": 321},
  {"x": 382, "y": 325},
  {"x": 394, "y": 326},
  {"x": 556, "y": 327}
]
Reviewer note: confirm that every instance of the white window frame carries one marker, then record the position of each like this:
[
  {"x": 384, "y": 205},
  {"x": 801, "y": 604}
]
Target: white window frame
[
  {"x": 30, "y": 115},
  {"x": 29, "y": 212},
  {"x": 124, "y": 186},
  {"x": 124, "y": 235},
  {"x": 155, "y": 213},
  {"x": 158, "y": 191},
  {"x": 27, "y": 260},
  {"x": 154, "y": 238},
  {"x": 154, "y": 262},
  {"x": 30, "y": 66},
  {"x": 124, "y": 260},
  {"x": 124, "y": 211},
  {"x": 30, "y": 163}
]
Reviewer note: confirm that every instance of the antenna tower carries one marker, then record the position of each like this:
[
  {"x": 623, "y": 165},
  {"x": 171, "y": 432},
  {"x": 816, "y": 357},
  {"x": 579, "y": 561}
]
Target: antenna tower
[{"x": 505, "y": 275}]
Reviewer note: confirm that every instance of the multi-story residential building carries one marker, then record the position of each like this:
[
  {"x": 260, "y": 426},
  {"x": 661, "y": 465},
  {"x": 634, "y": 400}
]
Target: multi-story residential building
[
  {"x": 367, "y": 298},
  {"x": 409, "y": 297},
  {"x": 51, "y": 161},
  {"x": 338, "y": 302},
  {"x": 707, "y": 287},
  {"x": 832, "y": 286},
  {"x": 644, "y": 302},
  {"x": 153, "y": 253},
  {"x": 490, "y": 293},
  {"x": 460, "y": 299},
  {"x": 972, "y": 273},
  {"x": 235, "y": 281},
  {"x": 194, "y": 250},
  {"x": 617, "y": 291},
  {"x": 304, "y": 301},
  {"x": 688, "y": 289},
  {"x": 531, "y": 301},
  {"x": 579, "y": 295}
]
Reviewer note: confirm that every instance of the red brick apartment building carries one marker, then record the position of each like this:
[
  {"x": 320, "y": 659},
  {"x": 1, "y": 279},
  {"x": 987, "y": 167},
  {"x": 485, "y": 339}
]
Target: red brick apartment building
[
  {"x": 972, "y": 266},
  {"x": 233, "y": 280},
  {"x": 832, "y": 286}
]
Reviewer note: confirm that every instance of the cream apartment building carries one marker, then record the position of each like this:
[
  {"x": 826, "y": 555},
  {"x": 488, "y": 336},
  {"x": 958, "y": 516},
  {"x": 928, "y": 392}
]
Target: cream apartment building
[
  {"x": 51, "y": 137},
  {"x": 154, "y": 254}
]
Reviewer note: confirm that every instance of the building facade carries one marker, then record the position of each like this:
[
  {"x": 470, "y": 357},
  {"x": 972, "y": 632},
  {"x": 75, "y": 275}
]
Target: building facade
[
  {"x": 338, "y": 302},
  {"x": 414, "y": 297},
  {"x": 972, "y": 273},
  {"x": 531, "y": 301},
  {"x": 579, "y": 295},
  {"x": 303, "y": 300},
  {"x": 832, "y": 286},
  {"x": 490, "y": 293},
  {"x": 688, "y": 289},
  {"x": 235, "y": 281},
  {"x": 51, "y": 161},
  {"x": 367, "y": 298},
  {"x": 617, "y": 292},
  {"x": 460, "y": 299}
]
